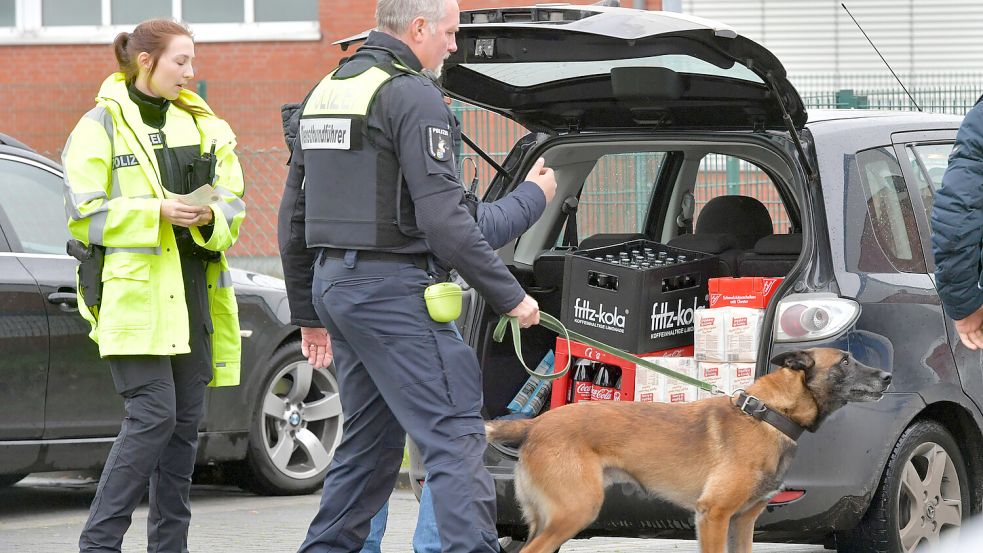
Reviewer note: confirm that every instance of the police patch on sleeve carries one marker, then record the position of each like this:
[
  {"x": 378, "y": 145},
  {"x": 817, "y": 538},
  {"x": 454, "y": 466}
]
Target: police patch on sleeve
[{"x": 439, "y": 143}]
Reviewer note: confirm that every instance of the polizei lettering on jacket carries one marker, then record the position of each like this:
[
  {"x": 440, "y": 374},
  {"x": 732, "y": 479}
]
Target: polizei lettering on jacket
[
  {"x": 326, "y": 133},
  {"x": 670, "y": 320},
  {"x": 610, "y": 319}
]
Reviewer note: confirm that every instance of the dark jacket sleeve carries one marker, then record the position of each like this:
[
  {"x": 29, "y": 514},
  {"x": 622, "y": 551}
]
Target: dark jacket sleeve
[
  {"x": 957, "y": 221},
  {"x": 416, "y": 111},
  {"x": 297, "y": 259},
  {"x": 503, "y": 221}
]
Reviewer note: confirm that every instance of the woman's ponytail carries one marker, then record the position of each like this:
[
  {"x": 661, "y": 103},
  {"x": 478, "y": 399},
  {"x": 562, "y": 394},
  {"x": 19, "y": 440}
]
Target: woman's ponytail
[{"x": 119, "y": 48}]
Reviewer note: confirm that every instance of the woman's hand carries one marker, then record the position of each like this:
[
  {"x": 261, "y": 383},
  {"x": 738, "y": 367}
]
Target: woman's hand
[{"x": 183, "y": 215}]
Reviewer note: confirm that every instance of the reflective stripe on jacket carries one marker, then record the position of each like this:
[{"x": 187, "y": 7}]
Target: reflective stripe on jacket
[{"x": 113, "y": 194}]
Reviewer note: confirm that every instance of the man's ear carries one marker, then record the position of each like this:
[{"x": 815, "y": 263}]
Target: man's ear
[{"x": 798, "y": 360}]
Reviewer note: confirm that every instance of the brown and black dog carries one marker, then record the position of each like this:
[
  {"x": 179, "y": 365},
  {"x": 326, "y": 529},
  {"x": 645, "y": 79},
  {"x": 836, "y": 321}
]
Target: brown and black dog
[{"x": 707, "y": 456}]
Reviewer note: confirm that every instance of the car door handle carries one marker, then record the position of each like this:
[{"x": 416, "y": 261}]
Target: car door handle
[{"x": 66, "y": 301}]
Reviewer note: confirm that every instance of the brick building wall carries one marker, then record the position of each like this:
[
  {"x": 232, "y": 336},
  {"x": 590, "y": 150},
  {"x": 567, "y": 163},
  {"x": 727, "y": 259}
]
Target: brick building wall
[{"x": 45, "y": 89}]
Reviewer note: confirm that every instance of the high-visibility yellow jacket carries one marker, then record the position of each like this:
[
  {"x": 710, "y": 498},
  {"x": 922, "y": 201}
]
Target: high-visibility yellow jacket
[{"x": 113, "y": 195}]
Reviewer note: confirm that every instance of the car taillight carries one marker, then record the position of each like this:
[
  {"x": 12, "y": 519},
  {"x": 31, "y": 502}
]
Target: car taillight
[
  {"x": 786, "y": 496},
  {"x": 806, "y": 317}
]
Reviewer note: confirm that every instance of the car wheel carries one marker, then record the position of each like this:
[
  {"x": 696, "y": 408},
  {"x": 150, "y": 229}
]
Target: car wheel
[
  {"x": 10, "y": 479},
  {"x": 923, "y": 494},
  {"x": 295, "y": 428}
]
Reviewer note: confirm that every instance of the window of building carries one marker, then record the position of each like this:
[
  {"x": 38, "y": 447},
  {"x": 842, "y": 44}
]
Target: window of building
[
  {"x": 60, "y": 13},
  {"x": 99, "y": 21},
  {"x": 131, "y": 13},
  {"x": 881, "y": 235},
  {"x": 8, "y": 13}
]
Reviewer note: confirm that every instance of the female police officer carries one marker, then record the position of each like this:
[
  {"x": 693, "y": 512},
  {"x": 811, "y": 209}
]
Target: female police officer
[{"x": 166, "y": 320}]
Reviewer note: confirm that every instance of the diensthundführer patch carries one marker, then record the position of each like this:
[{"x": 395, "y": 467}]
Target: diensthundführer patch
[
  {"x": 439, "y": 143},
  {"x": 326, "y": 133}
]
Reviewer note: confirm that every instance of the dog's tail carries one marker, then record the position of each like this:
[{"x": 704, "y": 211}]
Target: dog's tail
[{"x": 508, "y": 431}]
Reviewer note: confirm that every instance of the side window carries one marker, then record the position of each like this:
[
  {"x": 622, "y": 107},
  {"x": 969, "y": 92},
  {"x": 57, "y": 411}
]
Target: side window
[
  {"x": 31, "y": 199},
  {"x": 883, "y": 238},
  {"x": 928, "y": 163},
  {"x": 724, "y": 175},
  {"x": 618, "y": 193}
]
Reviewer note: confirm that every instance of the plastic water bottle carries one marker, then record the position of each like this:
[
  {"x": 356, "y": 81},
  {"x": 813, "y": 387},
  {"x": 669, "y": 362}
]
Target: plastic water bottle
[{"x": 529, "y": 387}]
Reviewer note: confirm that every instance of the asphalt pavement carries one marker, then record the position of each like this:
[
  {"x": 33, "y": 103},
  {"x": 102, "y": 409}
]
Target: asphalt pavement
[{"x": 44, "y": 514}]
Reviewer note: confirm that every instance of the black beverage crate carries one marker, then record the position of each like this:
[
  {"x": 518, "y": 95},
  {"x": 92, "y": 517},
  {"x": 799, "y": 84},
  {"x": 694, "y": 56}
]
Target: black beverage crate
[{"x": 638, "y": 310}]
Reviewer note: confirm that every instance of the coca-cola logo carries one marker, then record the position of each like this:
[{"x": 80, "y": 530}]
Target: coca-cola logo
[
  {"x": 744, "y": 371},
  {"x": 601, "y": 393},
  {"x": 583, "y": 388},
  {"x": 739, "y": 321}
]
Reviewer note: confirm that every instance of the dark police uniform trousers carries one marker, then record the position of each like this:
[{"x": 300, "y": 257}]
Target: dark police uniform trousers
[
  {"x": 163, "y": 397},
  {"x": 399, "y": 372}
]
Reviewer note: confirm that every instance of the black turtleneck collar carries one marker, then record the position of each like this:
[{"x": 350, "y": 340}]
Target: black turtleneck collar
[
  {"x": 383, "y": 41},
  {"x": 153, "y": 111}
]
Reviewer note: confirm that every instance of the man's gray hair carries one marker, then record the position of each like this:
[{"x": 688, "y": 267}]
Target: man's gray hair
[{"x": 394, "y": 16}]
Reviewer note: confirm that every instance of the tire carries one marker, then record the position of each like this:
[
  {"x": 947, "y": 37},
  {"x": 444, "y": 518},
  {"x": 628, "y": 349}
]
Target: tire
[
  {"x": 295, "y": 427},
  {"x": 7, "y": 480},
  {"x": 911, "y": 507}
]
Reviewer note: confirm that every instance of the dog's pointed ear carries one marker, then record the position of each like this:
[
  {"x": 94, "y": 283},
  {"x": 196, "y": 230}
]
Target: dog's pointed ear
[{"x": 798, "y": 360}]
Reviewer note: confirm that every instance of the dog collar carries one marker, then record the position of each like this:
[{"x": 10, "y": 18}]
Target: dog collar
[{"x": 757, "y": 409}]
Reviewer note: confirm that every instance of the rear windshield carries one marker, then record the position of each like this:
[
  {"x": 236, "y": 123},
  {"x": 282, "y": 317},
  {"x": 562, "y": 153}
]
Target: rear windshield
[{"x": 537, "y": 73}]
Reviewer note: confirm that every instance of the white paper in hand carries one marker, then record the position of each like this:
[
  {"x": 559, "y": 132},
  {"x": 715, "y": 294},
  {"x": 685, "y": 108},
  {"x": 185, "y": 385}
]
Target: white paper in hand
[{"x": 203, "y": 196}]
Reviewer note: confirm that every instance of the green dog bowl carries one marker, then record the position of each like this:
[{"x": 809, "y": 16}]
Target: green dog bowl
[{"x": 443, "y": 301}]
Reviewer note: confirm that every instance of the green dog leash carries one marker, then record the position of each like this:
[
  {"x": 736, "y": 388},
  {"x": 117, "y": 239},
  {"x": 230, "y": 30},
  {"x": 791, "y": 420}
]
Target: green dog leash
[{"x": 550, "y": 322}]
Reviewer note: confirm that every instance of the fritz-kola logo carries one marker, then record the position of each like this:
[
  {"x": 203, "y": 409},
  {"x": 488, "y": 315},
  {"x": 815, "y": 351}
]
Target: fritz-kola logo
[
  {"x": 585, "y": 312},
  {"x": 664, "y": 318}
]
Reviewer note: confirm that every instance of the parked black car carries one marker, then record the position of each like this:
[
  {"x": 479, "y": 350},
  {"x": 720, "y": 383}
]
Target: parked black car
[
  {"x": 642, "y": 115},
  {"x": 275, "y": 433}
]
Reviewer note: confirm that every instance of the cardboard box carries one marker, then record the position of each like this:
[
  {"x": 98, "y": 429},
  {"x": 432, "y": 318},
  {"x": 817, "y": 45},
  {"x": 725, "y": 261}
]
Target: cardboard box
[
  {"x": 635, "y": 309},
  {"x": 558, "y": 395},
  {"x": 754, "y": 292},
  {"x": 742, "y": 333}
]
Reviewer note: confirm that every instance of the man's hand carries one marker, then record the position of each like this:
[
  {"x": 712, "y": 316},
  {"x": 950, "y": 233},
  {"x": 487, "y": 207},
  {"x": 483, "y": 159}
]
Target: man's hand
[
  {"x": 544, "y": 178},
  {"x": 181, "y": 214},
  {"x": 315, "y": 345},
  {"x": 970, "y": 331},
  {"x": 527, "y": 312}
]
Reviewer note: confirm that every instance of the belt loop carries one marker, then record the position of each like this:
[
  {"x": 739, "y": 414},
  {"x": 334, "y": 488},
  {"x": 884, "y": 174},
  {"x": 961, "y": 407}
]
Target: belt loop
[
  {"x": 321, "y": 257},
  {"x": 350, "y": 257}
]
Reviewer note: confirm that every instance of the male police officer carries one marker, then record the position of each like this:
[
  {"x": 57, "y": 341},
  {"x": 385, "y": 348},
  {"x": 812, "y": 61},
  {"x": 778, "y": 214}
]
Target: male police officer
[{"x": 374, "y": 189}]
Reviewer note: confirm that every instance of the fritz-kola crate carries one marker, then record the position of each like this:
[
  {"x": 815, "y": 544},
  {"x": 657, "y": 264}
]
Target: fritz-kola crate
[{"x": 638, "y": 296}]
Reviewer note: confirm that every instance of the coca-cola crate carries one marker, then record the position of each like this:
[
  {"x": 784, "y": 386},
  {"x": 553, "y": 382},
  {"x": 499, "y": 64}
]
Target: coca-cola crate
[
  {"x": 561, "y": 386},
  {"x": 635, "y": 309}
]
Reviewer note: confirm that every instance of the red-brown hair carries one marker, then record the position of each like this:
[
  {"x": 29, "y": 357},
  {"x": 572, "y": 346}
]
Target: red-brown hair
[{"x": 152, "y": 36}]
